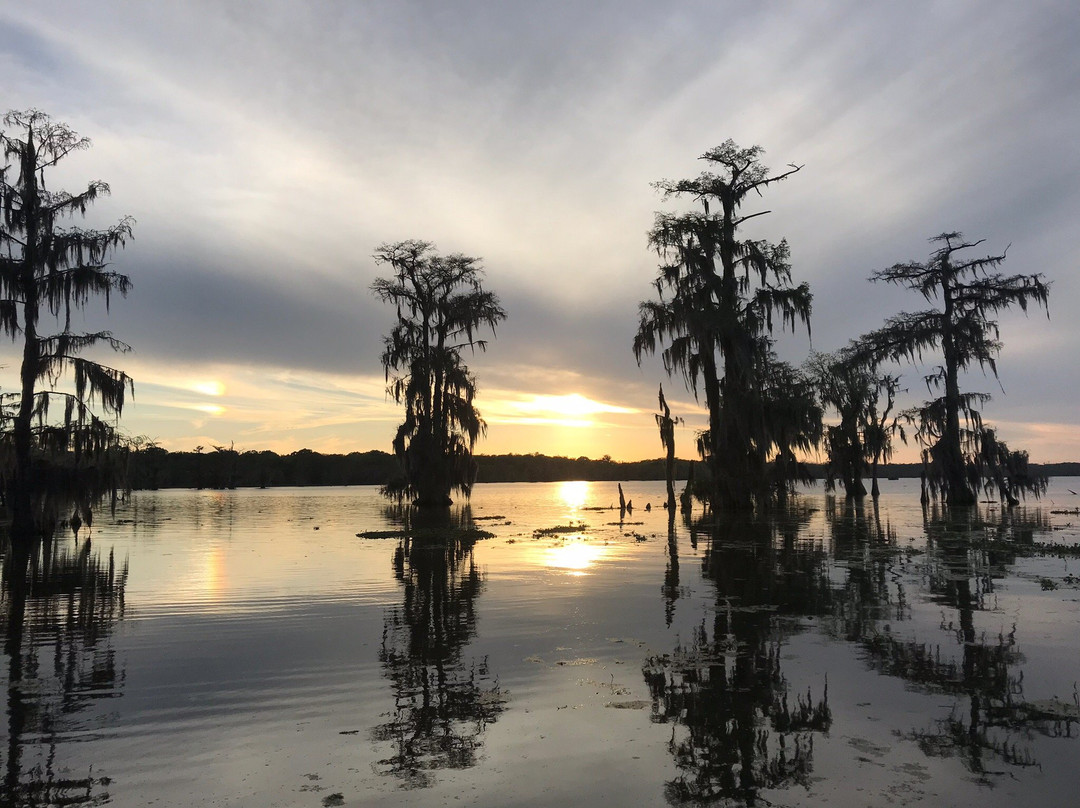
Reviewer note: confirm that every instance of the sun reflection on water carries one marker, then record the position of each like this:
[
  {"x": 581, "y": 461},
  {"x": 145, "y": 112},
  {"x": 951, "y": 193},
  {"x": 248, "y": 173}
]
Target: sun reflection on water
[
  {"x": 574, "y": 493},
  {"x": 573, "y": 556},
  {"x": 214, "y": 578}
]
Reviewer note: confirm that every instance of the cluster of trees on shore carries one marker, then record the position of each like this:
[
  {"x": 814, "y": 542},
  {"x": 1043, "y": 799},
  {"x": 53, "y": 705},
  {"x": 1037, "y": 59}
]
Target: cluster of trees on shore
[
  {"x": 152, "y": 467},
  {"x": 149, "y": 467},
  {"x": 719, "y": 296}
]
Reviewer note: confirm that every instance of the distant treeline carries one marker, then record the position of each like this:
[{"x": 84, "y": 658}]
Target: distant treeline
[{"x": 155, "y": 467}]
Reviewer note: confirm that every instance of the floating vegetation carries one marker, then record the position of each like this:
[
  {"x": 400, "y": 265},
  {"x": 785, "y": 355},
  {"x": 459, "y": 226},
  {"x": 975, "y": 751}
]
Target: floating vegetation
[
  {"x": 487, "y": 518},
  {"x": 1053, "y": 709},
  {"x": 628, "y": 705},
  {"x": 1045, "y": 548},
  {"x": 557, "y": 529},
  {"x": 1068, "y": 582},
  {"x": 449, "y": 534}
]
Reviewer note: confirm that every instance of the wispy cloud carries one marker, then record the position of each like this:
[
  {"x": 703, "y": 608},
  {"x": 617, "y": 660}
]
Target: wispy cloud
[{"x": 266, "y": 151}]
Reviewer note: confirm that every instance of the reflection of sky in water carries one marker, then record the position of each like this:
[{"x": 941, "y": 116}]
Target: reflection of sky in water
[{"x": 249, "y": 649}]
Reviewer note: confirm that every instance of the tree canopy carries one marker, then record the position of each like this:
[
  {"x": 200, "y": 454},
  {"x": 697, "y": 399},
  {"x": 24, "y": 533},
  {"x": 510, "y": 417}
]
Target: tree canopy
[
  {"x": 441, "y": 310},
  {"x": 720, "y": 294},
  {"x": 963, "y": 331},
  {"x": 47, "y": 271},
  {"x": 850, "y": 384}
]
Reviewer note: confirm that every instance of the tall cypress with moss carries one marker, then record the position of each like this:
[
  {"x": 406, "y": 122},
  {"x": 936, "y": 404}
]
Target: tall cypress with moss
[
  {"x": 442, "y": 308},
  {"x": 962, "y": 329},
  {"x": 720, "y": 293},
  {"x": 47, "y": 271}
]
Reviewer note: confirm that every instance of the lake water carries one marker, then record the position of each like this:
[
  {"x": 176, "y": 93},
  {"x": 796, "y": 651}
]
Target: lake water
[{"x": 248, "y": 648}]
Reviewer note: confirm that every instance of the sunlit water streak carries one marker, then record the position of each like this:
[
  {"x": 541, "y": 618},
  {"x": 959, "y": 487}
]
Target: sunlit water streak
[{"x": 258, "y": 652}]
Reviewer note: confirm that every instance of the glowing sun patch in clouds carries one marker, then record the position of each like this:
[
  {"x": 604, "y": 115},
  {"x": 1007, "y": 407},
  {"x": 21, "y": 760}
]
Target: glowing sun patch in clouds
[
  {"x": 209, "y": 409},
  {"x": 205, "y": 409},
  {"x": 572, "y": 410},
  {"x": 207, "y": 388}
]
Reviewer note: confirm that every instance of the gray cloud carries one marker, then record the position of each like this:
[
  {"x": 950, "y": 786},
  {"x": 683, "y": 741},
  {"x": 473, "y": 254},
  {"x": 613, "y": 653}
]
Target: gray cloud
[
  {"x": 267, "y": 150},
  {"x": 215, "y": 317}
]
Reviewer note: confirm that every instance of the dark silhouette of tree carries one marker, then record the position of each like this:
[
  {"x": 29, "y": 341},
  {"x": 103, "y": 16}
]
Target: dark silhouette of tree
[
  {"x": 962, "y": 328},
  {"x": 792, "y": 418},
  {"x": 666, "y": 425},
  {"x": 849, "y": 383},
  {"x": 46, "y": 272},
  {"x": 880, "y": 427},
  {"x": 1006, "y": 473},
  {"x": 442, "y": 702},
  {"x": 225, "y": 460},
  {"x": 846, "y": 387},
  {"x": 441, "y": 307},
  {"x": 199, "y": 467},
  {"x": 686, "y": 498},
  {"x": 719, "y": 294},
  {"x": 145, "y": 463}
]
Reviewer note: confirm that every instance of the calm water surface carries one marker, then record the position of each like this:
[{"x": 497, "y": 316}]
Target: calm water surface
[{"x": 249, "y": 648}]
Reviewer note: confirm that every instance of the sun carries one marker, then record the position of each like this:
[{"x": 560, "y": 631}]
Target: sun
[
  {"x": 573, "y": 405},
  {"x": 570, "y": 409}
]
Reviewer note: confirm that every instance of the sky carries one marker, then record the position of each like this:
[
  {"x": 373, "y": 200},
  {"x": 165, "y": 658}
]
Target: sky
[{"x": 267, "y": 149}]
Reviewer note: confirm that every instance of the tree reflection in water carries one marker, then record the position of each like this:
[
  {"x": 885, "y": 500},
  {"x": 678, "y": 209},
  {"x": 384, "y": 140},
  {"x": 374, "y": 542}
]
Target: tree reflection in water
[
  {"x": 868, "y": 549},
  {"x": 740, "y": 730},
  {"x": 60, "y": 604},
  {"x": 442, "y": 703},
  {"x": 989, "y": 723},
  {"x": 671, "y": 589}
]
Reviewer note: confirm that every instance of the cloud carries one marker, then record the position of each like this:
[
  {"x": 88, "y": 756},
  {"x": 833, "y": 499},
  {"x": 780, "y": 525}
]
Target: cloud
[{"x": 266, "y": 151}]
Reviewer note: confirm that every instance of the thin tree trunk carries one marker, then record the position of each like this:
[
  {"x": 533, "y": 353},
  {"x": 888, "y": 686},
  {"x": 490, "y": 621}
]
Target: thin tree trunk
[
  {"x": 957, "y": 489},
  {"x": 22, "y": 523}
]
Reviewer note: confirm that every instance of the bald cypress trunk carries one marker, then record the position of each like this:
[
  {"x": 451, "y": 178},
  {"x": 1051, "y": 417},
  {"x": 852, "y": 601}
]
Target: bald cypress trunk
[{"x": 22, "y": 494}]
